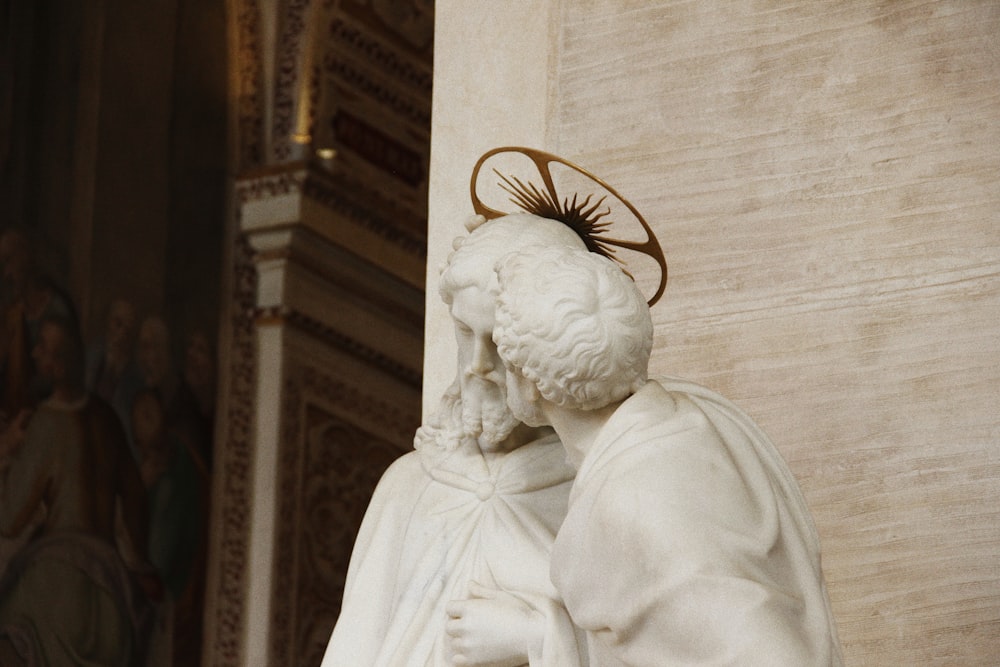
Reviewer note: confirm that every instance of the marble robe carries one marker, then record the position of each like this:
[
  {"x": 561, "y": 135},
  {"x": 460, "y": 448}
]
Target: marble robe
[
  {"x": 437, "y": 521},
  {"x": 688, "y": 542}
]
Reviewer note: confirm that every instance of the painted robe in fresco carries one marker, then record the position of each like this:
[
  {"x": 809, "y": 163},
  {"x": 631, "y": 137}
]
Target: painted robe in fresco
[{"x": 67, "y": 597}]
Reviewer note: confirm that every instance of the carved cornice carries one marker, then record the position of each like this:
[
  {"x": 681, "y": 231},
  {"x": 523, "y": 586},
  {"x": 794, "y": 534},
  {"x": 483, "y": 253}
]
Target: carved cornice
[
  {"x": 367, "y": 66},
  {"x": 402, "y": 69},
  {"x": 354, "y": 279},
  {"x": 357, "y": 204},
  {"x": 392, "y": 77},
  {"x": 322, "y": 497},
  {"x": 371, "y": 210},
  {"x": 265, "y": 183},
  {"x": 341, "y": 341},
  {"x": 357, "y": 79}
]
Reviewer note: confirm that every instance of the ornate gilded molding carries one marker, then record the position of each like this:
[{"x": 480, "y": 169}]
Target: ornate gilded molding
[
  {"x": 287, "y": 75},
  {"x": 420, "y": 78},
  {"x": 249, "y": 111},
  {"x": 361, "y": 82},
  {"x": 351, "y": 57},
  {"x": 267, "y": 183},
  {"x": 347, "y": 53},
  {"x": 322, "y": 417}
]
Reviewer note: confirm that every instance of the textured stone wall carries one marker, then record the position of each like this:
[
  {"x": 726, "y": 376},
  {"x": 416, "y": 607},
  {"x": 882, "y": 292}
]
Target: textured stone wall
[{"x": 823, "y": 178}]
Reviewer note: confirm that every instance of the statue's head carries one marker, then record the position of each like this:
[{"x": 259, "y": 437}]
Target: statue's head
[
  {"x": 573, "y": 325},
  {"x": 475, "y": 255},
  {"x": 575, "y": 222},
  {"x": 469, "y": 287}
]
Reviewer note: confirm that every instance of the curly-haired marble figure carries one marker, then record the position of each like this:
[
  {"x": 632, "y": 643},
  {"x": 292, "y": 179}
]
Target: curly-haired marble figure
[{"x": 687, "y": 540}]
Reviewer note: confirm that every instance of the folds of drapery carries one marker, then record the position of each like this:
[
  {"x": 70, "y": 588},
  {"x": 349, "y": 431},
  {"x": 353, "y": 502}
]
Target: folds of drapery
[
  {"x": 705, "y": 551},
  {"x": 438, "y": 521}
]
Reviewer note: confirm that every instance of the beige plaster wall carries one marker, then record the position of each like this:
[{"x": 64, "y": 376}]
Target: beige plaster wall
[
  {"x": 493, "y": 70},
  {"x": 824, "y": 179}
]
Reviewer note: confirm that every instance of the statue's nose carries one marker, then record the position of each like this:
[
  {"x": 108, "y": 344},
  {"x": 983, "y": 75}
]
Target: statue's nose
[{"x": 482, "y": 357}]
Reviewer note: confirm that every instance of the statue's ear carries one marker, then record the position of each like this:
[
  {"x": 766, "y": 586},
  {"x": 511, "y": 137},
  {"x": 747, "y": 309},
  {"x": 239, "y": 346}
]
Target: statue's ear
[
  {"x": 533, "y": 392},
  {"x": 527, "y": 388}
]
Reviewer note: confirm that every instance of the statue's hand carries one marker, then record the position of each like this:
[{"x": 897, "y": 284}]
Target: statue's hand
[{"x": 491, "y": 628}]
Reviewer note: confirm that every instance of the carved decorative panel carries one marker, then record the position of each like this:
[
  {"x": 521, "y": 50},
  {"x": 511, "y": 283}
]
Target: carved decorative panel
[{"x": 330, "y": 465}]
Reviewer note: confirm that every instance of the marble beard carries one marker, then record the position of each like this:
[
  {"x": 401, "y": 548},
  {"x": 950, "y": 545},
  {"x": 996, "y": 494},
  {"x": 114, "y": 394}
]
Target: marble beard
[
  {"x": 682, "y": 508},
  {"x": 470, "y": 517}
]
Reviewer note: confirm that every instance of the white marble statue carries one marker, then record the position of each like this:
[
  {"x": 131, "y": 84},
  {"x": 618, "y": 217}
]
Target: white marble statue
[
  {"x": 451, "y": 566},
  {"x": 687, "y": 540}
]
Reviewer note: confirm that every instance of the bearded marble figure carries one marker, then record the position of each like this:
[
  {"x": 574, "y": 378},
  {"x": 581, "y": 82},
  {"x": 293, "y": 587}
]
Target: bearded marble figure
[
  {"x": 687, "y": 540},
  {"x": 451, "y": 565}
]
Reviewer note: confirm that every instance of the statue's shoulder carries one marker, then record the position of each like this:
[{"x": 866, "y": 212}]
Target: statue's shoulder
[
  {"x": 717, "y": 408},
  {"x": 399, "y": 485},
  {"x": 678, "y": 385},
  {"x": 404, "y": 469}
]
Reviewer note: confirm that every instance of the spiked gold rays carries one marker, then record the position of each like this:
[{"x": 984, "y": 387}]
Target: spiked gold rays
[
  {"x": 577, "y": 216},
  {"x": 580, "y": 215}
]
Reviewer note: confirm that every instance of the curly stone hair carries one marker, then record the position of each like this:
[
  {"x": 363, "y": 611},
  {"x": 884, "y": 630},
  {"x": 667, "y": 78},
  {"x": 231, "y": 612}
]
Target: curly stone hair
[
  {"x": 475, "y": 255},
  {"x": 574, "y": 325}
]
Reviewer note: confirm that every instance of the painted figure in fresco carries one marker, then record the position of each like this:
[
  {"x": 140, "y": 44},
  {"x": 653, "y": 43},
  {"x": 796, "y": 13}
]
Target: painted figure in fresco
[
  {"x": 451, "y": 565},
  {"x": 68, "y": 596},
  {"x": 177, "y": 499},
  {"x": 189, "y": 432},
  {"x": 26, "y": 298},
  {"x": 109, "y": 359},
  {"x": 112, "y": 371},
  {"x": 184, "y": 416},
  {"x": 154, "y": 358},
  {"x": 172, "y": 482},
  {"x": 687, "y": 540},
  {"x": 199, "y": 372}
]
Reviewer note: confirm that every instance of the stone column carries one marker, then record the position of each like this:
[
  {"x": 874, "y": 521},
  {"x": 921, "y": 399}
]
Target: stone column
[{"x": 324, "y": 386}]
